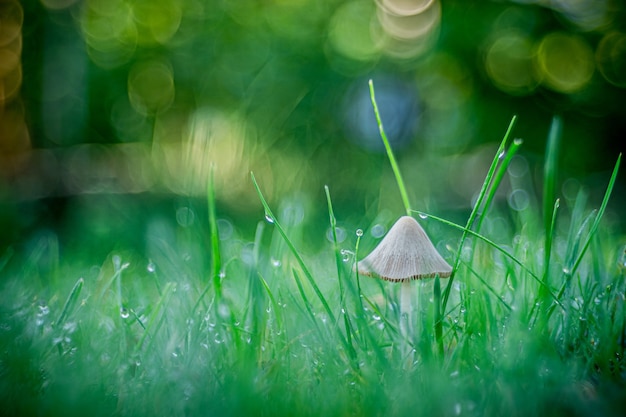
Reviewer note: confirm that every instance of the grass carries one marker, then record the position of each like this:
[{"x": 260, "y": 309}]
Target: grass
[{"x": 532, "y": 322}]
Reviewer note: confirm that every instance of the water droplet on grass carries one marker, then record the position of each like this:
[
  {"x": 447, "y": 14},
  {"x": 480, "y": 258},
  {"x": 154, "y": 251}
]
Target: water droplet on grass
[
  {"x": 359, "y": 232},
  {"x": 423, "y": 216},
  {"x": 124, "y": 312},
  {"x": 269, "y": 218},
  {"x": 151, "y": 267},
  {"x": 276, "y": 263}
]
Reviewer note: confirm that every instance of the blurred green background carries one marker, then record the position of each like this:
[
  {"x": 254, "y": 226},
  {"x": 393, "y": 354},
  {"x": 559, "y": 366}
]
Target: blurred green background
[{"x": 114, "y": 111}]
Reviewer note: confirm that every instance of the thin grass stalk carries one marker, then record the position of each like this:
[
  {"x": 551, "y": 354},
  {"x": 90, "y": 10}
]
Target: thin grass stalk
[
  {"x": 216, "y": 262},
  {"x": 392, "y": 159},
  {"x": 70, "y": 302},
  {"x": 438, "y": 317},
  {"x": 339, "y": 264}
]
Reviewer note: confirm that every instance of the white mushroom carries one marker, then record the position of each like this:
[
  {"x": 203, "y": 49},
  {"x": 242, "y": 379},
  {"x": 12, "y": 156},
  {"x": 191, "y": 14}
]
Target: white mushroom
[{"x": 406, "y": 253}]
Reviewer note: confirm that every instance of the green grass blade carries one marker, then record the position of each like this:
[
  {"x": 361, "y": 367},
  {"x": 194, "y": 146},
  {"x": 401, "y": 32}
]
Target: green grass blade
[
  {"x": 70, "y": 301},
  {"x": 437, "y": 315},
  {"x": 549, "y": 196},
  {"x": 596, "y": 223},
  {"x": 216, "y": 262},
  {"x": 474, "y": 213},
  {"x": 338, "y": 256},
  {"x": 392, "y": 159},
  {"x": 339, "y": 263},
  {"x": 153, "y": 324},
  {"x": 497, "y": 179}
]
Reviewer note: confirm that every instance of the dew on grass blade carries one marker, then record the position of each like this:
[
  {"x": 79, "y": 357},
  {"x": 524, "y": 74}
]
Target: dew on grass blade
[
  {"x": 359, "y": 232},
  {"x": 151, "y": 267},
  {"x": 269, "y": 218},
  {"x": 276, "y": 263},
  {"x": 423, "y": 216},
  {"x": 43, "y": 310},
  {"x": 124, "y": 312}
]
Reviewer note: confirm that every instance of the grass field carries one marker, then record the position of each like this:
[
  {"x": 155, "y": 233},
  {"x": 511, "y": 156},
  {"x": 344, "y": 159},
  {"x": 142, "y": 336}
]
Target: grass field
[{"x": 532, "y": 321}]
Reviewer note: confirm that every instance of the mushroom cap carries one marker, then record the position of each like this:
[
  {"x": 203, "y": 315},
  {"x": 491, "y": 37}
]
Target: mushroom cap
[{"x": 405, "y": 253}]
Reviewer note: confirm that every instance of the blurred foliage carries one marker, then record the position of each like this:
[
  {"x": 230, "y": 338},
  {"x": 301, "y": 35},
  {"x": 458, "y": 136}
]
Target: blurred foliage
[{"x": 125, "y": 97}]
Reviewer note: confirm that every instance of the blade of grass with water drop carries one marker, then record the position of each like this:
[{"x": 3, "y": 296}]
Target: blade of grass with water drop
[
  {"x": 474, "y": 213},
  {"x": 392, "y": 159},
  {"x": 497, "y": 179},
  {"x": 300, "y": 261},
  {"x": 339, "y": 263}
]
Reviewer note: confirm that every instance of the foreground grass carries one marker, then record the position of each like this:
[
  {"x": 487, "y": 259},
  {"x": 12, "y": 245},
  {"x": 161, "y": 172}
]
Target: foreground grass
[{"x": 531, "y": 323}]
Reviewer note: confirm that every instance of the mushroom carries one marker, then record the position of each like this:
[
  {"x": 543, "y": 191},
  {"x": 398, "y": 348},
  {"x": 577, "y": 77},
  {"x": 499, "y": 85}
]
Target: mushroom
[{"x": 405, "y": 254}]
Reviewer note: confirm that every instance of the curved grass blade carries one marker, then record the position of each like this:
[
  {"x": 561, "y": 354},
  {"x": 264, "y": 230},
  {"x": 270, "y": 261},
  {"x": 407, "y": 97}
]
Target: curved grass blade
[
  {"x": 71, "y": 301},
  {"x": 596, "y": 222}
]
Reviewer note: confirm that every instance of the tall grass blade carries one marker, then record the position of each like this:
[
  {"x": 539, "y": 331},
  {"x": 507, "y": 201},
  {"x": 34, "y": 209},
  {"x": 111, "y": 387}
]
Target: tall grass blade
[
  {"x": 216, "y": 262},
  {"x": 474, "y": 213},
  {"x": 596, "y": 222},
  {"x": 497, "y": 179},
  {"x": 339, "y": 264},
  {"x": 392, "y": 159},
  {"x": 549, "y": 185}
]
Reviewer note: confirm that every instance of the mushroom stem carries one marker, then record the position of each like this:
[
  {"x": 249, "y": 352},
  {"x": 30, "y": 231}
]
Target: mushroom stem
[{"x": 406, "y": 310}]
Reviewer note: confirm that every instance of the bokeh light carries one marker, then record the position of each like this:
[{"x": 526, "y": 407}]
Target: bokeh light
[
  {"x": 509, "y": 62},
  {"x": 611, "y": 58},
  {"x": 565, "y": 61},
  {"x": 411, "y": 26},
  {"x": 350, "y": 32},
  {"x": 151, "y": 86}
]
